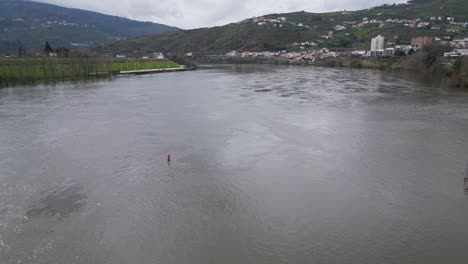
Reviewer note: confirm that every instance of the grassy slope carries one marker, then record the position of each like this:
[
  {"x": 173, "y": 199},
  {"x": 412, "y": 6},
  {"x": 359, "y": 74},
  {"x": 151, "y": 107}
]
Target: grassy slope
[
  {"x": 242, "y": 36},
  {"x": 249, "y": 36}
]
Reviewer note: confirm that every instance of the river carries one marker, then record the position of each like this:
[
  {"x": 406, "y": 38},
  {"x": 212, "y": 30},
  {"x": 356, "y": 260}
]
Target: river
[{"x": 270, "y": 164}]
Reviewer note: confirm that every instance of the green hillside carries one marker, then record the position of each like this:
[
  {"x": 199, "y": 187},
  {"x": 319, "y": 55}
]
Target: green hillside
[
  {"x": 311, "y": 27},
  {"x": 33, "y": 23}
]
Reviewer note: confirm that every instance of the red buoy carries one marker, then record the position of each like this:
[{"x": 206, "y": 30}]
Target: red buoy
[
  {"x": 168, "y": 158},
  {"x": 466, "y": 172}
]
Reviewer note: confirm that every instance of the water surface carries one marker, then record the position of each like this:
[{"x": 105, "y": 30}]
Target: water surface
[{"x": 269, "y": 165}]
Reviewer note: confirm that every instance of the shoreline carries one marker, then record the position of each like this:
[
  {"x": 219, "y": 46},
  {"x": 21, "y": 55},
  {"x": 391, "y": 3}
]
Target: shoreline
[
  {"x": 96, "y": 77},
  {"x": 153, "y": 71},
  {"x": 23, "y": 71}
]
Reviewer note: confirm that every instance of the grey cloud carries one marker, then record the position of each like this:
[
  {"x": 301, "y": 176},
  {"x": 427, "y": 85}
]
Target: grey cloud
[{"x": 204, "y": 13}]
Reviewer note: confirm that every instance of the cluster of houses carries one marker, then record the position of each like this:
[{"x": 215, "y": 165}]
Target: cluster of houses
[
  {"x": 302, "y": 55},
  {"x": 275, "y": 22},
  {"x": 378, "y": 48},
  {"x": 305, "y": 44},
  {"x": 45, "y": 24},
  {"x": 42, "y": 23},
  {"x": 378, "y": 45},
  {"x": 433, "y": 23}
]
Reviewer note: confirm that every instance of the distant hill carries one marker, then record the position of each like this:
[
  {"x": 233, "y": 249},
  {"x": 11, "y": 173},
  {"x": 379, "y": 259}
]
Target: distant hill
[
  {"x": 34, "y": 23},
  {"x": 350, "y": 30}
]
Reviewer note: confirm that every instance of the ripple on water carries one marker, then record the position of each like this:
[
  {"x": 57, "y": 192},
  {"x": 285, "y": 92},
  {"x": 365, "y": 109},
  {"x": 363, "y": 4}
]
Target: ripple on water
[{"x": 58, "y": 201}]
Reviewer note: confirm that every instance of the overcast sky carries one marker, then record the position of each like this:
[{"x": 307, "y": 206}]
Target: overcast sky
[{"x": 189, "y": 14}]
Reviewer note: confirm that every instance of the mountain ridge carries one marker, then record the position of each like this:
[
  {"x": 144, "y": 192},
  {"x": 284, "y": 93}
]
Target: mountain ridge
[
  {"x": 32, "y": 23},
  {"x": 255, "y": 35}
]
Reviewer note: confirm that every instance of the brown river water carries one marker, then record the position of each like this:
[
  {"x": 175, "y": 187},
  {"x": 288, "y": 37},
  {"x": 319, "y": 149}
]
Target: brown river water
[{"x": 270, "y": 164}]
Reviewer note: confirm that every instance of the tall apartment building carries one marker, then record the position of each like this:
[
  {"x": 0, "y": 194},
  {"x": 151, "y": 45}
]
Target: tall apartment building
[{"x": 378, "y": 43}]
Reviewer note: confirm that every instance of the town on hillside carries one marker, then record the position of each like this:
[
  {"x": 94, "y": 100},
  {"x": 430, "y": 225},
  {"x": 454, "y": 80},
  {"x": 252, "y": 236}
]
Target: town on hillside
[
  {"x": 378, "y": 48},
  {"x": 438, "y": 30}
]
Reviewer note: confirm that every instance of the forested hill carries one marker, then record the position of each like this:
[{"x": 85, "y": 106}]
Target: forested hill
[{"x": 34, "y": 23}]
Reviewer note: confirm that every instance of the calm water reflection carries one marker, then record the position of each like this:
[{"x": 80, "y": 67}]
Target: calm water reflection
[{"x": 270, "y": 165}]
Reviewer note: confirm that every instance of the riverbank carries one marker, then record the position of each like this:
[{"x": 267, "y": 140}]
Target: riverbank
[
  {"x": 453, "y": 73},
  {"x": 151, "y": 71},
  {"x": 15, "y": 71}
]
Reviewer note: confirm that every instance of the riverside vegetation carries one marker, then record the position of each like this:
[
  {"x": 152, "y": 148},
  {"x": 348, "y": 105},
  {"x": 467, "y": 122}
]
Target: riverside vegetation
[
  {"x": 31, "y": 70},
  {"x": 429, "y": 61}
]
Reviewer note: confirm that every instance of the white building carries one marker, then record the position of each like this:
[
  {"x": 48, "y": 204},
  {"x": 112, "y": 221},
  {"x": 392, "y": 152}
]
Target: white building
[
  {"x": 377, "y": 43},
  {"x": 158, "y": 55},
  {"x": 375, "y": 53},
  {"x": 456, "y": 53},
  {"x": 406, "y": 49},
  {"x": 339, "y": 28},
  {"x": 232, "y": 54},
  {"x": 359, "y": 53},
  {"x": 463, "y": 52},
  {"x": 389, "y": 52}
]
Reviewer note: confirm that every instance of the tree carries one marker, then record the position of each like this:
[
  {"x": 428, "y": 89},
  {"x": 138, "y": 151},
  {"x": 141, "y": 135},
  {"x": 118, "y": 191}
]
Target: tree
[
  {"x": 429, "y": 59},
  {"x": 457, "y": 65},
  {"x": 81, "y": 53},
  {"x": 48, "y": 49},
  {"x": 400, "y": 53},
  {"x": 21, "y": 51},
  {"x": 63, "y": 52},
  {"x": 436, "y": 49},
  {"x": 432, "y": 53}
]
